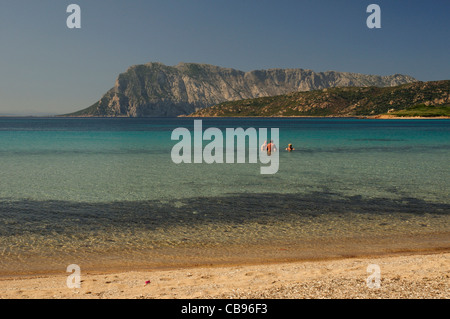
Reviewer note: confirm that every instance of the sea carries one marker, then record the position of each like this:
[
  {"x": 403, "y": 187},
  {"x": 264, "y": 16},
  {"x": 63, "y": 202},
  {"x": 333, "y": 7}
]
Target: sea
[{"x": 105, "y": 194}]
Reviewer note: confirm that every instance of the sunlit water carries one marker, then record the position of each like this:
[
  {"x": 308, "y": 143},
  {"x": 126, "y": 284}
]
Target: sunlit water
[{"x": 106, "y": 193}]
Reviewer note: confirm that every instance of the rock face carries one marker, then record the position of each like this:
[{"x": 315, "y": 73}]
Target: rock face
[{"x": 155, "y": 89}]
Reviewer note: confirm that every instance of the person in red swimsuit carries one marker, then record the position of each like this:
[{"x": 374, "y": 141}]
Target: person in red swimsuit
[{"x": 271, "y": 148}]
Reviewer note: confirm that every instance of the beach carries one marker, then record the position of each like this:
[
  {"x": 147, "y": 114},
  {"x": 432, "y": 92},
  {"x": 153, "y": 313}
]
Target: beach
[{"x": 404, "y": 276}]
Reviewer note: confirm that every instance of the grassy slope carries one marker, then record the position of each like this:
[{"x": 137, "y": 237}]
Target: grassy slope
[{"x": 423, "y": 110}]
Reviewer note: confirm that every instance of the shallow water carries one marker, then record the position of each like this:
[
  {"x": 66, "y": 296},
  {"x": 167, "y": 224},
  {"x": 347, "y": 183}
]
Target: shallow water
[{"x": 106, "y": 192}]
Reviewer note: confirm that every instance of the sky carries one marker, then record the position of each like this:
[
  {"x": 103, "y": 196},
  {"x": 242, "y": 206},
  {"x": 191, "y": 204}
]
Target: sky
[{"x": 47, "y": 68}]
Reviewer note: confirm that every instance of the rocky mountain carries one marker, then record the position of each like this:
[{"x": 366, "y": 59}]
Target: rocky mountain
[
  {"x": 412, "y": 99},
  {"x": 155, "y": 89}
]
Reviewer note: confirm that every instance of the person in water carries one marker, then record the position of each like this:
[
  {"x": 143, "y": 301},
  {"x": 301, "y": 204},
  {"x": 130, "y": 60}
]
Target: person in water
[
  {"x": 264, "y": 146},
  {"x": 271, "y": 148},
  {"x": 290, "y": 148}
]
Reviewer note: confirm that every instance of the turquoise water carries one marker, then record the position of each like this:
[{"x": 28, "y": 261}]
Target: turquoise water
[{"x": 78, "y": 187}]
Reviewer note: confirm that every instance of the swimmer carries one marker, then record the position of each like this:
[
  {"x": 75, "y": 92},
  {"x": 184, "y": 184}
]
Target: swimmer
[
  {"x": 271, "y": 147},
  {"x": 264, "y": 146},
  {"x": 290, "y": 148}
]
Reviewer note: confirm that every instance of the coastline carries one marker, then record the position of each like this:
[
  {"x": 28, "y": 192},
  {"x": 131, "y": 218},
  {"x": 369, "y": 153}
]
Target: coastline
[
  {"x": 370, "y": 117},
  {"x": 406, "y": 275},
  {"x": 393, "y": 117}
]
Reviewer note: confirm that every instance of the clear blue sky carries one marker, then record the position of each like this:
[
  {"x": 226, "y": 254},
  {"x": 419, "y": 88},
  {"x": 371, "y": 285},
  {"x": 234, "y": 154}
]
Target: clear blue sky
[{"x": 46, "y": 67}]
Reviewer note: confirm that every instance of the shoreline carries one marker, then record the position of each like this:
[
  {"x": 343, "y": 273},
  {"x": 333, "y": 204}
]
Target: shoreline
[
  {"x": 193, "y": 255},
  {"x": 366, "y": 117},
  {"x": 369, "y": 117},
  {"x": 393, "y": 117},
  {"x": 403, "y": 275},
  {"x": 142, "y": 267}
]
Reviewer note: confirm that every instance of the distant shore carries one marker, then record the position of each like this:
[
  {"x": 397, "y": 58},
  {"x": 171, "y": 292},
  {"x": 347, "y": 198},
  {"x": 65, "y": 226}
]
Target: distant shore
[
  {"x": 380, "y": 117},
  {"x": 393, "y": 117},
  {"x": 376, "y": 117}
]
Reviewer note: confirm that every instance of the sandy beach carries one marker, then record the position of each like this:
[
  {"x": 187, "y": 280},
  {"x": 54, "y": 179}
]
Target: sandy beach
[
  {"x": 402, "y": 276},
  {"x": 393, "y": 117}
]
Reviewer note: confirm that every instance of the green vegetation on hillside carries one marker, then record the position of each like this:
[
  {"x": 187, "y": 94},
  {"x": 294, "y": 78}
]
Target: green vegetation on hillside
[
  {"x": 423, "y": 110},
  {"x": 405, "y": 99}
]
